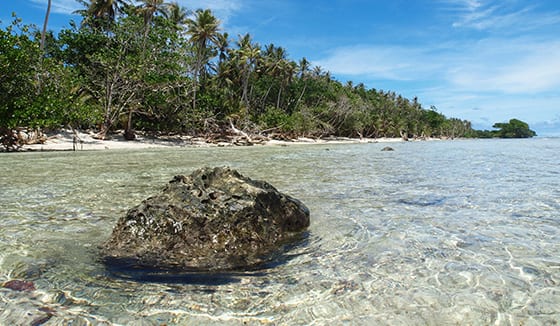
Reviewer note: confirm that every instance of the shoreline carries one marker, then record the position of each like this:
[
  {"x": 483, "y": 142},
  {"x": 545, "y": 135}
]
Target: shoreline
[{"x": 66, "y": 140}]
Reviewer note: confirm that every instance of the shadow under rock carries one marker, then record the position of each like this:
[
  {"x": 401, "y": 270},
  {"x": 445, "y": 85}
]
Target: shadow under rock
[{"x": 129, "y": 269}]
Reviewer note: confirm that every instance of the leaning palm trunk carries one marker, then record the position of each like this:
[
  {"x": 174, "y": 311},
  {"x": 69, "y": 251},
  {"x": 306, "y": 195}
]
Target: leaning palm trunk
[
  {"x": 44, "y": 32},
  {"x": 42, "y": 47}
]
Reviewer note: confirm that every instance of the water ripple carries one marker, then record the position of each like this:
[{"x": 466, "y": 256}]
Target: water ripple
[{"x": 437, "y": 233}]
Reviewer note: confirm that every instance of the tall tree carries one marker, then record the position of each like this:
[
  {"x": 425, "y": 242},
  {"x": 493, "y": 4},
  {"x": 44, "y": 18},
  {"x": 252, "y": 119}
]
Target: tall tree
[
  {"x": 105, "y": 8},
  {"x": 177, "y": 14},
  {"x": 304, "y": 67},
  {"x": 247, "y": 56},
  {"x": 149, "y": 8},
  {"x": 115, "y": 73},
  {"x": 222, "y": 43},
  {"x": 101, "y": 13},
  {"x": 203, "y": 30},
  {"x": 279, "y": 67}
]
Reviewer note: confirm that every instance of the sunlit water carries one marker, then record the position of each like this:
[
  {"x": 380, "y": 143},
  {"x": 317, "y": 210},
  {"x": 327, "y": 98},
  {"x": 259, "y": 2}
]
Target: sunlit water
[{"x": 454, "y": 232}]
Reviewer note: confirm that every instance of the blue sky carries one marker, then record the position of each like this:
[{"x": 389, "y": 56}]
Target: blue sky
[{"x": 482, "y": 60}]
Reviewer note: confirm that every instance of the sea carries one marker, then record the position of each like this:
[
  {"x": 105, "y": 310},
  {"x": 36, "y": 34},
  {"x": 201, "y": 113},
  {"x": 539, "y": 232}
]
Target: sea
[{"x": 457, "y": 232}]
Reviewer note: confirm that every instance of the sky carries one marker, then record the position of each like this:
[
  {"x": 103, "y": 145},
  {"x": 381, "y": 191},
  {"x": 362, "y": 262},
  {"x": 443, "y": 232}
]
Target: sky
[{"x": 485, "y": 61}]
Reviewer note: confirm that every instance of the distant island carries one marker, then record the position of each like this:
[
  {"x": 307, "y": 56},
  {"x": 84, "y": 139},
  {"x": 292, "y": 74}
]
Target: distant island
[
  {"x": 513, "y": 129},
  {"x": 163, "y": 70}
]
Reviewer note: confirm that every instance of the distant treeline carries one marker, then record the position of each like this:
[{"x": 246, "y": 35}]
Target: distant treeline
[
  {"x": 159, "y": 67},
  {"x": 513, "y": 129}
]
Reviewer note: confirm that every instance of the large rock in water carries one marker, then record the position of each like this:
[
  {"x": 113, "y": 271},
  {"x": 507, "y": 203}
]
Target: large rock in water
[{"x": 214, "y": 219}]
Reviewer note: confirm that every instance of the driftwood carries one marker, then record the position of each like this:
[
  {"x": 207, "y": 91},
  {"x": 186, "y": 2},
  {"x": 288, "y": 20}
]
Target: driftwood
[
  {"x": 242, "y": 138},
  {"x": 30, "y": 137},
  {"x": 238, "y": 131},
  {"x": 404, "y": 135},
  {"x": 8, "y": 140}
]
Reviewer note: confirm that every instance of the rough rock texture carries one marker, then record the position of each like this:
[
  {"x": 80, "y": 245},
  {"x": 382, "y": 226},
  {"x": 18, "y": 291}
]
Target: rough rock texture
[{"x": 214, "y": 219}]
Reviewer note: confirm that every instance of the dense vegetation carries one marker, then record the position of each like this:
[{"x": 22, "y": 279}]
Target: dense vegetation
[
  {"x": 157, "y": 67},
  {"x": 513, "y": 129}
]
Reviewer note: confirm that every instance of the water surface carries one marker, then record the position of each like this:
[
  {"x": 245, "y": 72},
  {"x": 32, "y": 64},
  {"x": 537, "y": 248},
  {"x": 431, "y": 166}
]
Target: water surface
[{"x": 454, "y": 232}]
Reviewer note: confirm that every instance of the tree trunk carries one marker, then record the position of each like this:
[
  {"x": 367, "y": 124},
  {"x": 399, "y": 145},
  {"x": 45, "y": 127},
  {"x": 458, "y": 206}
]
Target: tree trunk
[
  {"x": 300, "y": 96},
  {"x": 128, "y": 132},
  {"x": 264, "y": 99},
  {"x": 107, "y": 119},
  {"x": 196, "y": 77},
  {"x": 279, "y": 96},
  {"x": 245, "y": 94},
  {"x": 44, "y": 32}
]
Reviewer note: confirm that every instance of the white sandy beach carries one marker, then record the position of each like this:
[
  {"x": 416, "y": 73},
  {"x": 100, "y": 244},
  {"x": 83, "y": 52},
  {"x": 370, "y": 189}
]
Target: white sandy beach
[{"x": 65, "y": 140}]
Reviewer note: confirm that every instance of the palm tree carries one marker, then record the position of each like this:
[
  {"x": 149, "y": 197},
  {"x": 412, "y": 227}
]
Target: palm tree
[
  {"x": 303, "y": 67},
  {"x": 247, "y": 56},
  {"x": 106, "y": 8},
  {"x": 101, "y": 13},
  {"x": 222, "y": 43},
  {"x": 279, "y": 67},
  {"x": 319, "y": 73},
  {"x": 203, "y": 29},
  {"x": 177, "y": 14},
  {"x": 148, "y": 9}
]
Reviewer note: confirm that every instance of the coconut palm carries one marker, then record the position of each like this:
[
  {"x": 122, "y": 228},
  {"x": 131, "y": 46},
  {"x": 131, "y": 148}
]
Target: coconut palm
[
  {"x": 177, "y": 14},
  {"x": 247, "y": 55},
  {"x": 222, "y": 44},
  {"x": 106, "y": 8},
  {"x": 279, "y": 67},
  {"x": 203, "y": 30},
  {"x": 149, "y": 8},
  {"x": 303, "y": 67},
  {"x": 101, "y": 13}
]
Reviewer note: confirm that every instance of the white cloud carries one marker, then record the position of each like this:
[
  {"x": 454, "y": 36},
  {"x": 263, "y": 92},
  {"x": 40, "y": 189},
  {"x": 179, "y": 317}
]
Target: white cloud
[
  {"x": 548, "y": 128},
  {"x": 223, "y": 9},
  {"x": 60, "y": 6},
  {"x": 507, "y": 66},
  {"x": 222, "y": 6},
  {"x": 497, "y": 65},
  {"x": 485, "y": 109},
  {"x": 379, "y": 62},
  {"x": 484, "y": 81},
  {"x": 503, "y": 15}
]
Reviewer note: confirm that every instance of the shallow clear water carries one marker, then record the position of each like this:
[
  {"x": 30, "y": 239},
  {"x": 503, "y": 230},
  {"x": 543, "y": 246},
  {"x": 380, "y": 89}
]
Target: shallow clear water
[{"x": 457, "y": 232}]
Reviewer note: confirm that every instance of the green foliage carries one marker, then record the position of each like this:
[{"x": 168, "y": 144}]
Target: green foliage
[
  {"x": 432, "y": 119},
  {"x": 276, "y": 118},
  {"x": 146, "y": 65},
  {"x": 513, "y": 129},
  {"x": 19, "y": 67},
  {"x": 37, "y": 91}
]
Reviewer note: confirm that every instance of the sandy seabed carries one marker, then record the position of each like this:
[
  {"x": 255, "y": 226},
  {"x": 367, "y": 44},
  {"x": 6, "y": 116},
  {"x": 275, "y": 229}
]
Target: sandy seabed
[{"x": 67, "y": 141}]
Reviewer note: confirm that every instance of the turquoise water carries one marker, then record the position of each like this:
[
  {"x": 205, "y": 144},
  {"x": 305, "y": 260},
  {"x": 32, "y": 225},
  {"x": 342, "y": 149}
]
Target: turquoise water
[{"x": 452, "y": 232}]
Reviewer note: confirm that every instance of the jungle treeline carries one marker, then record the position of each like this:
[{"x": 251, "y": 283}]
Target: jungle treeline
[{"x": 157, "y": 67}]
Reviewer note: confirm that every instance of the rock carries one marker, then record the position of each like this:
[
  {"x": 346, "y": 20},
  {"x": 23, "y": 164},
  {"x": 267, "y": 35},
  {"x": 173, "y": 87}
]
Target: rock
[
  {"x": 41, "y": 320},
  {"x": 19, "y": 285},
  {"x": 387, "y": 149},
  {"x": 214, "y": 219}
]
